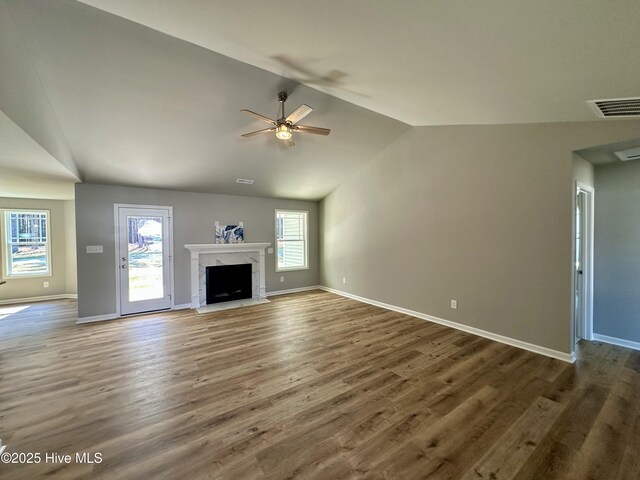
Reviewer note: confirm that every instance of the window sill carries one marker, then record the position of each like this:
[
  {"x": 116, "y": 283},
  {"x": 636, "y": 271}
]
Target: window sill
[
  {"x": 294, "y": 269},
  {"x": 35, "y": 275}
]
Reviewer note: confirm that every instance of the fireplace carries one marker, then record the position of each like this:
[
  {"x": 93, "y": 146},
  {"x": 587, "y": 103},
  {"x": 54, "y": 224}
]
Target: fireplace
[
  {"x": 228, "y": 282},
  {"x": 205, "y": 255}
]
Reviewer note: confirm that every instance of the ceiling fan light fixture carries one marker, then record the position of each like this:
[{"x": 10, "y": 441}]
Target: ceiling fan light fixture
[
  {"x": 286, "y": 125},
  {"x": 283, "y": 131}
]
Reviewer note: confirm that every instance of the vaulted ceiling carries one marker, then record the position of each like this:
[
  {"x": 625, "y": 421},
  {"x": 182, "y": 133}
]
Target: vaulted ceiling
[
  {"x": 425, "y": 62},
  {"x": 148, "y": 93}
]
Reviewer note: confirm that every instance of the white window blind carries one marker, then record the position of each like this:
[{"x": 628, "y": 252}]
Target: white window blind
[{"x": 291, "y": 240}]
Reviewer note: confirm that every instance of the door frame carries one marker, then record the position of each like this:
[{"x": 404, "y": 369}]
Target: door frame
[
  {"x": 587, "y": 325},
  {"x": 116, "y": 232}
]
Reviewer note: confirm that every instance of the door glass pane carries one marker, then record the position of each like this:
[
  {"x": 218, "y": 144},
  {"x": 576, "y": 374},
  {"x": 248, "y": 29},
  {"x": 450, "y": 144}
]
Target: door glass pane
[{"x": 144, "y": 238}]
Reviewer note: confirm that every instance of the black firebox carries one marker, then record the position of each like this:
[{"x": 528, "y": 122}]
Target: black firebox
[{"x": 228, "y": 282}]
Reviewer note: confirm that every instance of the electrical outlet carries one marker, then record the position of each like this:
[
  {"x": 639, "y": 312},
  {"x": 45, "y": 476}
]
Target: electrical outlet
[
  {"x": 281, "y": 279},
  {"x": 46, "y": 284},
  {"x": 454, "y": 304},
  {"x": 344, "y": 280}
]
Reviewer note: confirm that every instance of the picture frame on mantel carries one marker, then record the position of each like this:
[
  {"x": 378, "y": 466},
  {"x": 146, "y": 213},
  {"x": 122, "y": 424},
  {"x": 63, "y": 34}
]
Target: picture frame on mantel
[{"x": 225, "y": 234}]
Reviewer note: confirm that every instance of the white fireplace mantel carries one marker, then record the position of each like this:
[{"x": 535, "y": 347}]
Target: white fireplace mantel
[{"x": 211, "y": 254}]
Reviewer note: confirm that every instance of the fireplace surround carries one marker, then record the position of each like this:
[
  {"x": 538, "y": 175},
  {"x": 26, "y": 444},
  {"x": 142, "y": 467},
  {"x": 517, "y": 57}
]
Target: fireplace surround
[{"x": 204, "y": 255}]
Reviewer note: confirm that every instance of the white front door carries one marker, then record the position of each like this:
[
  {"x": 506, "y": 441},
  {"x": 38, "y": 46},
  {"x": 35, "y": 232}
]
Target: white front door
[{"x": 144, "y": 254}]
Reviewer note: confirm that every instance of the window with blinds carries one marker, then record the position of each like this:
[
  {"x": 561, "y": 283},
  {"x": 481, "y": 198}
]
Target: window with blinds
[
  {"x": 291, "y": 240},
  {"x": 26, "y": 243}
]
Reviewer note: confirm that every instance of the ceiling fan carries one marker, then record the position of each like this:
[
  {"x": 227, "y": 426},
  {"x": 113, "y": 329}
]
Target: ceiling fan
[{"x": 285, "y": 126}]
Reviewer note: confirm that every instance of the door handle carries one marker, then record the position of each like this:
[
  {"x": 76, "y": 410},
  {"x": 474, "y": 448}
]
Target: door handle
[
  {"x": 579, "y": 272},
  {"x": 124, "y": 267}
]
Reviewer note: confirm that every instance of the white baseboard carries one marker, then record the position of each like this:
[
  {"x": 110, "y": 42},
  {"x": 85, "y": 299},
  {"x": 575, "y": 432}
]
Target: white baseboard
[
  {"x": 42, "y": 298},
  {"x": 97, "y": 318},
  {"x": 184, "y": 306},
  {"x": 294, "y": 290},
  {"x": 620, "y": 342},
  {"x": 565, "y": 357},
  {"x": 113, "y": 316}
]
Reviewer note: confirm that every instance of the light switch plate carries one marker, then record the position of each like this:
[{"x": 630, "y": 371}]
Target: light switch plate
[
  {"x": 94, "y": 248},
  {"x": 270, "y": 250}
]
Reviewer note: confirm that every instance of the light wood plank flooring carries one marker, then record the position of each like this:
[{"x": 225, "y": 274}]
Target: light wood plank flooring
[{"x": 311, "y": 385}]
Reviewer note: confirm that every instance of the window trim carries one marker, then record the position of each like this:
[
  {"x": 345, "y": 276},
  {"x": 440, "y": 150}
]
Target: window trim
[
  {"x": 6, "y": 257},
  {"x": 306, "y": 239}
]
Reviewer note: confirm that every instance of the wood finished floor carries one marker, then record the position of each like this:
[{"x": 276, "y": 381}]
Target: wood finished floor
[{"x": 309, "y": 386}]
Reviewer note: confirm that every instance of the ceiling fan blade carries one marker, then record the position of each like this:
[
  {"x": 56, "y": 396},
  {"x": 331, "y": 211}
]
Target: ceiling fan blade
[
  {"x": 259, "y": 117},
  {"x": 316, "y": 130},
  {"x": 289, "y": 142},
  {"x": 266, "y": 130},
  {"x": 299, "y": 113}
]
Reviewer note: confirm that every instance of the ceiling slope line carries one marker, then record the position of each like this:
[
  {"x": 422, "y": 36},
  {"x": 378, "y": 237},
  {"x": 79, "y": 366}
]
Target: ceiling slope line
[{"x": 62, "y": 154}]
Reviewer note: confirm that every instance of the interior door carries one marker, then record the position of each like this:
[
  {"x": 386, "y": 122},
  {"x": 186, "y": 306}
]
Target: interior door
[
  {"x": 580, "y": 252},
  {"x": 144, "y": 259}
]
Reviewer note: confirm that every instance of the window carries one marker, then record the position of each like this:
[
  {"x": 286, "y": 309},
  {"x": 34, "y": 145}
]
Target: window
[
  {"x": 291, "y": 240},
  {"x": 26, "y": 243}
]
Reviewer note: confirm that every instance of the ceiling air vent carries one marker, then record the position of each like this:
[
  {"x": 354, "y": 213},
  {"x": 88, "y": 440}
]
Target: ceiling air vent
[
  {"x": 616, "y": 107},
  {"x": 245, "y": 181},
  {"x": 629, "y": 154}
]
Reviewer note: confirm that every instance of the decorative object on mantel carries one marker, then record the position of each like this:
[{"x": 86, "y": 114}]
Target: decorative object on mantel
[{"x": 229, "y": 233}]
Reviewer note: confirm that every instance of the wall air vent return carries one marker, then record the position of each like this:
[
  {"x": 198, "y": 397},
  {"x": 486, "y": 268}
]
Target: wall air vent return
[
  {"x": 616, "y": 107},
  {"x": 629, "y": 154}
]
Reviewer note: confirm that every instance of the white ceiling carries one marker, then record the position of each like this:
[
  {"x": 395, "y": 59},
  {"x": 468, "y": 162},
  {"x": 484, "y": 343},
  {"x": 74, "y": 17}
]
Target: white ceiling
[
  {"x": 425, "y": 62},
  {"x": 28, "y": 170},
  {"x": 603, "y": 154},
  {"x": 148, "y": 92},
  {"x": 138, "y": 107}
]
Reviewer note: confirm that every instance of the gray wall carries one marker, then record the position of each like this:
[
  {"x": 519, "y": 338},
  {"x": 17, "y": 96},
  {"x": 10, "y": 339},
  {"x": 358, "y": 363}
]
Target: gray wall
[
  {"x": 480, "y": 214},
  {"x": 63, "y": 262},
  {"x": 616, "y": 303},
  {"x": 194, "y": 218}
]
